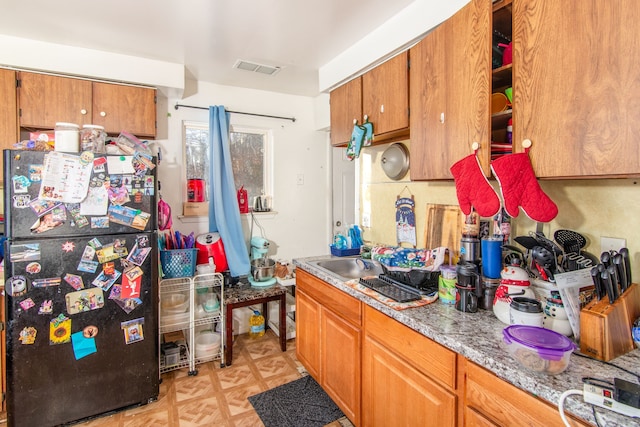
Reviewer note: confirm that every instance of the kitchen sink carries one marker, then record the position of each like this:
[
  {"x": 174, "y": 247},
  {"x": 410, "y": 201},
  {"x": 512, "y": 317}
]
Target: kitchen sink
[{"x": 350, "y": 268}]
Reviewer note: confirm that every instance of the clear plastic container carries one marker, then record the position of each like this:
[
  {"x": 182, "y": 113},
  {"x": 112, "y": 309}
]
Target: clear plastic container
[
  {"x": 92, "y": 138},
  {"x": 538, "y": 349},
  {"x": 256, "y": 325},
  {"x": 67, "y": 137}
]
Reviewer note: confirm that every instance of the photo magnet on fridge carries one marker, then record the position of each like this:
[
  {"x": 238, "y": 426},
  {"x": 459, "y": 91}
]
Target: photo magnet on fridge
[{"x": 84, "y": 300}]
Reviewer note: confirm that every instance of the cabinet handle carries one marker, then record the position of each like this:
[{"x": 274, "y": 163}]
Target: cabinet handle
[
  {"x": 382, "y": 108},
  {"x": 83, "y": 112},
  {"x": 441, "y": 117},
  {"x": 103, "y": 114}
]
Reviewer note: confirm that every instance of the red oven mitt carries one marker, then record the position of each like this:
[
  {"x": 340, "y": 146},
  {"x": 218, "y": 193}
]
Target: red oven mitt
[{"x": 473, "y": 188}]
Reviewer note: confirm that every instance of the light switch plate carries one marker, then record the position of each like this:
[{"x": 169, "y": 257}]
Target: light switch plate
[{"x": 612, "y": 243}]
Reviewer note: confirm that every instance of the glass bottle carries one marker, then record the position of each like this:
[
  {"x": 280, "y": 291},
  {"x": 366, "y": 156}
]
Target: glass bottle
[
  {"x": 471, "y": 226},
  {"x": 502, "y": 226}
]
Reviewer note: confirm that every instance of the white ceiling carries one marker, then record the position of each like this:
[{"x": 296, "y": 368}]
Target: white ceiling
[{"x": 209, "y": 36}]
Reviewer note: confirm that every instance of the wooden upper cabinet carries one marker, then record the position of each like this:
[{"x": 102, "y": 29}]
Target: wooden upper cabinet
[
  {"x": 450, "y": 79},
  {"x": 345, "y": 104},
  {"x": 8, "y": 110},
  {"x": 125, "y": 108},
  {"x": 576, "y": 87},
  {"x": 385, "y": 95},
  {"x": 44, "y": 100}
]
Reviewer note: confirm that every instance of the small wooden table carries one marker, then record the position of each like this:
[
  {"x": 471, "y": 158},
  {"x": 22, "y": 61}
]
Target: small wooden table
[{"x": 243, "y": 295}]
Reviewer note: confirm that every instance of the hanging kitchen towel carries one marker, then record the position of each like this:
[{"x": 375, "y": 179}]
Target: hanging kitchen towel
[
  {"x": 473, "y": 188},
  {"x": 520, "y": 188},
  {"x": 368, "y": 135},
  {"x": 357, "y": 139}
]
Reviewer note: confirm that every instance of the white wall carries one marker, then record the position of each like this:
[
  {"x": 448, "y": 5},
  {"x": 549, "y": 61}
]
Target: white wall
[{"x": 300, "y": 225}]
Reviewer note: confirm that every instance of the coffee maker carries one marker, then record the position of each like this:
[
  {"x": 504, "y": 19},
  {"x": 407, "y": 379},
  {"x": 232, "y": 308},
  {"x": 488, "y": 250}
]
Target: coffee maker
[{"x": 468, "y": 286}]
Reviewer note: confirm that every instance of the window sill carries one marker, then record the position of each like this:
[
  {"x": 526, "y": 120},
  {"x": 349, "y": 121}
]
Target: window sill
[{"x": 202, "y": 218}]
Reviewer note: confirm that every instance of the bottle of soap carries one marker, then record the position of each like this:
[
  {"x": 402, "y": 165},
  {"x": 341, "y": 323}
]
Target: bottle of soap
[{"x": 256, "y": 325}]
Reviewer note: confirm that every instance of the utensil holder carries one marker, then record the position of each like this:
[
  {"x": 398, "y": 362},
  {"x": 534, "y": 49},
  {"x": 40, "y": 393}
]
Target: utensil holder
[{"x": 605, "y": 328}]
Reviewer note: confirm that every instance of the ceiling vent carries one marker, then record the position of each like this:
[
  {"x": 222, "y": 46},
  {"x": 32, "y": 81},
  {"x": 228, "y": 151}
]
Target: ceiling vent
[{"x": 255, "y": 67}]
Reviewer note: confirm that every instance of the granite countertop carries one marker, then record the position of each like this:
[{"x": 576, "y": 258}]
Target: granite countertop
[{"x": 478, "y": 337}]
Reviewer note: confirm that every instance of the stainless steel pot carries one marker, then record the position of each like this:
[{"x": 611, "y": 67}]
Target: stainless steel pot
[{"x": 262, "y": 269}]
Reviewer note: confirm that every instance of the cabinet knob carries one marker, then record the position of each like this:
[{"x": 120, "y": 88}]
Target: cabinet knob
[
  {"x": 382, "y": 108},
  {"x": 526, "y": 143},
  {"x": 441, "y": 117},
  {"x": 103, "y": 114},
  {"x": 83, "y": 112}
]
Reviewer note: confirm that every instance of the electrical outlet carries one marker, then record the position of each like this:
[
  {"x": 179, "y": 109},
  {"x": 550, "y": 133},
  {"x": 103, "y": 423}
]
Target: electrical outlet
[
  {"x": 366, "y": 219},
  {"x": 612, "y": 243}
]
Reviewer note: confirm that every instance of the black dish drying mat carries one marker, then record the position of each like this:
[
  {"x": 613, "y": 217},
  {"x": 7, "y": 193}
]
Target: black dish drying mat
[{"x": 299, "y": 403}]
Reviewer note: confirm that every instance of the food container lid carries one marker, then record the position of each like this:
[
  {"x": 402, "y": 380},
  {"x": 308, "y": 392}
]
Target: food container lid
[
  {"x": 70, "y": 125},
  {"x": 549, "y": 344},
  {"x": 93, "y": 127},
  {"x": 526, "y": 305}
]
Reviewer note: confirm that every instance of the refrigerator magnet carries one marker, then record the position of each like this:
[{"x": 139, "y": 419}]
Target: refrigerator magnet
[
  {"x": 74, "y": 281},
  {"x": 84, "y": 300},
  {"x": 46, "y": 307},
  {"x": 16, "y": 286},
  {"x": 88, "y": 266},
  {"x": 28, "y": 335},
  {"x": 90, "y": 331},
  {"x": 26, "y": 252},
  {"x": 82, "y": 346},
  {"x": 20, "y": 184},
  {"x": 35, "y": 172},
  {"x": 105, "y": 281},
  {"x": 130, "y": 287},
  {"x": 46, "y": 282},
  {"x": 33, "y": 268},
  {"x": 133, "y": 330},
  {"x": 60, "y": 330},
  {"x": 68, "y": 247},
  {"x": 21, "y": 201},
  {"x": 27, "y": 304}
]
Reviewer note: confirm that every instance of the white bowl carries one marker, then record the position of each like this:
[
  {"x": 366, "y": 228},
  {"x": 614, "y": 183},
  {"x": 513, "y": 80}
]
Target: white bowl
[
  {"x": 174, "y": 303},
  {"x": 207, "y": 344}
]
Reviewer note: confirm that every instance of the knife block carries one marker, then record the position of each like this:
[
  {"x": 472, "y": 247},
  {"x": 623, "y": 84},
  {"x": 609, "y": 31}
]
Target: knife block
[{"x": 605, "y": 328}]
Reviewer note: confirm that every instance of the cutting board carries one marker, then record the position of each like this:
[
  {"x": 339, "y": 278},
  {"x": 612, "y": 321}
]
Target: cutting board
[{"x": 443, "y": 227}]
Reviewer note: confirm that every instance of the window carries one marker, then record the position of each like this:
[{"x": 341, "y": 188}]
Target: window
[{"x": 250, "y": 150}]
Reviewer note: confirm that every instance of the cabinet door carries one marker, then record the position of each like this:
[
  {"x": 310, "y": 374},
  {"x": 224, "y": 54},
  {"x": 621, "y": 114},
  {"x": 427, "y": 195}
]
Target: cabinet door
[
  {"x": 8, "y": 110},
  {"x": 45, "y": 100},
  {"x": 125, "y": 108},
  {"x": 308, "y": 333},
  {"x": 473, "y": 418},
  {"x": 345, "y": 104},
  {"x": 396, "y": 394},
  {"x": 450, "y": 91},
  {"x": 385, "y": 95},
  {"x": 578, "y": 102},
  {"x": 341, "y": 363}
]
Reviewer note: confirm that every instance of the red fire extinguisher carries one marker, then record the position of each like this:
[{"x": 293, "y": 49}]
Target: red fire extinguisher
[{"x": 243, "y": 200}]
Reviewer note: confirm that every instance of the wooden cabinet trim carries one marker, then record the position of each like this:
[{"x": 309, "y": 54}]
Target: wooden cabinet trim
[
  {"x": 429, "y": 357},
  {"x": 328, "y": 296}
]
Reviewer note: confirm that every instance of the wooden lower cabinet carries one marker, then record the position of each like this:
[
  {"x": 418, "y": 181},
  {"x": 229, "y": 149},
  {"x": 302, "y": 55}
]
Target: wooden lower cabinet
[
  {"x": 328, "y": 343},
  {"x": 490, "y": 401},
  {"x": 407, "y": 379}
]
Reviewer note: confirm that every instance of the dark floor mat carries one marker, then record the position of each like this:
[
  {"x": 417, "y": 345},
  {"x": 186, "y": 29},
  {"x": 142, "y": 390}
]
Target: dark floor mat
[{"x": 299, "y": 403}]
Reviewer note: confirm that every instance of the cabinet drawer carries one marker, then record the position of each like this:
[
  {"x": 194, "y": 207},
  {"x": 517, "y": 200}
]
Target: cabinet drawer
[
  {"x": 505, "y": 404},
  {"x": 329, "y": 297},
  {"x": 425, "y": 355}
]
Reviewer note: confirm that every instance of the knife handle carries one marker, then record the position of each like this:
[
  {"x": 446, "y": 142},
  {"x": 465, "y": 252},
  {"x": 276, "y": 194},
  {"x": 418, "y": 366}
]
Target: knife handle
[
  {"x": 608, "y": 285},
  {"x": 627, "y": 264},
  {"x": 613, "y": 277},
  {"x": 597, "y": 282},
  {"x": 618, "y": 262},
  {"x": 605, "y": 258}
]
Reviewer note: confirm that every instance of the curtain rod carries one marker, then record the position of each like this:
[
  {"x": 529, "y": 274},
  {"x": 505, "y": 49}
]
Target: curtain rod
[{"x": 293, "y": 119}]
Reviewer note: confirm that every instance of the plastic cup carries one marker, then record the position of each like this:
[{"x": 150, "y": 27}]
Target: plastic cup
[{"x": 491, "y": 257}]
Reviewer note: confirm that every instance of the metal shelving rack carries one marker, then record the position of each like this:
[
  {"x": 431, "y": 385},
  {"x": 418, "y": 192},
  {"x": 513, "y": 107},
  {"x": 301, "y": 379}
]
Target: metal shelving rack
[{"x": 187, "y": 324}]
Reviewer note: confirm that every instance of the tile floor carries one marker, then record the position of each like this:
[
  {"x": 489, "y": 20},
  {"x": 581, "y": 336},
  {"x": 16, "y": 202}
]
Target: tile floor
[{"x": 216, "y": 396}]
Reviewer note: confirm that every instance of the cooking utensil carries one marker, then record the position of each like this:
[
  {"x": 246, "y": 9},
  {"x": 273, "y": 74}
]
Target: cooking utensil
[
  {"x": 526, "y": 242},
  {"x": 546, "y": 260},
  {"x": 605, "y": 258},
  {"x": 571, "y": 241},
  {"x": 613, "y": 276},
  {"x": 627, "y": 265},
  {"x": 608, "y": 285},
  {"x": 597, "y": 282},
  {"x": 621, "y": 273}
]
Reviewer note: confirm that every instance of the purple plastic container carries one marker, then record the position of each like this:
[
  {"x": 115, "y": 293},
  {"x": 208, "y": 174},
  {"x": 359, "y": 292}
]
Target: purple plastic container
[{"x": 538, "y": 349}]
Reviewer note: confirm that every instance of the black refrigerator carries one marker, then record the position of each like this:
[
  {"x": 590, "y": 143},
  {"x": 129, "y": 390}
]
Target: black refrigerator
[{"x": 81, "y": 285}]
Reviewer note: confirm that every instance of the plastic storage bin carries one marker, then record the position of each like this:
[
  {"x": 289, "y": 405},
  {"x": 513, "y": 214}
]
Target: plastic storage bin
[
  {"x": 344, "y": 252},
  {"x": 178, "y": 262}
]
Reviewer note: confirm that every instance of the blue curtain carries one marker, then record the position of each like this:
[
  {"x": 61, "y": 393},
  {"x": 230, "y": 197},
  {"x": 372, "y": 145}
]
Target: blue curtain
[{"x": 224, "y": 214}]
